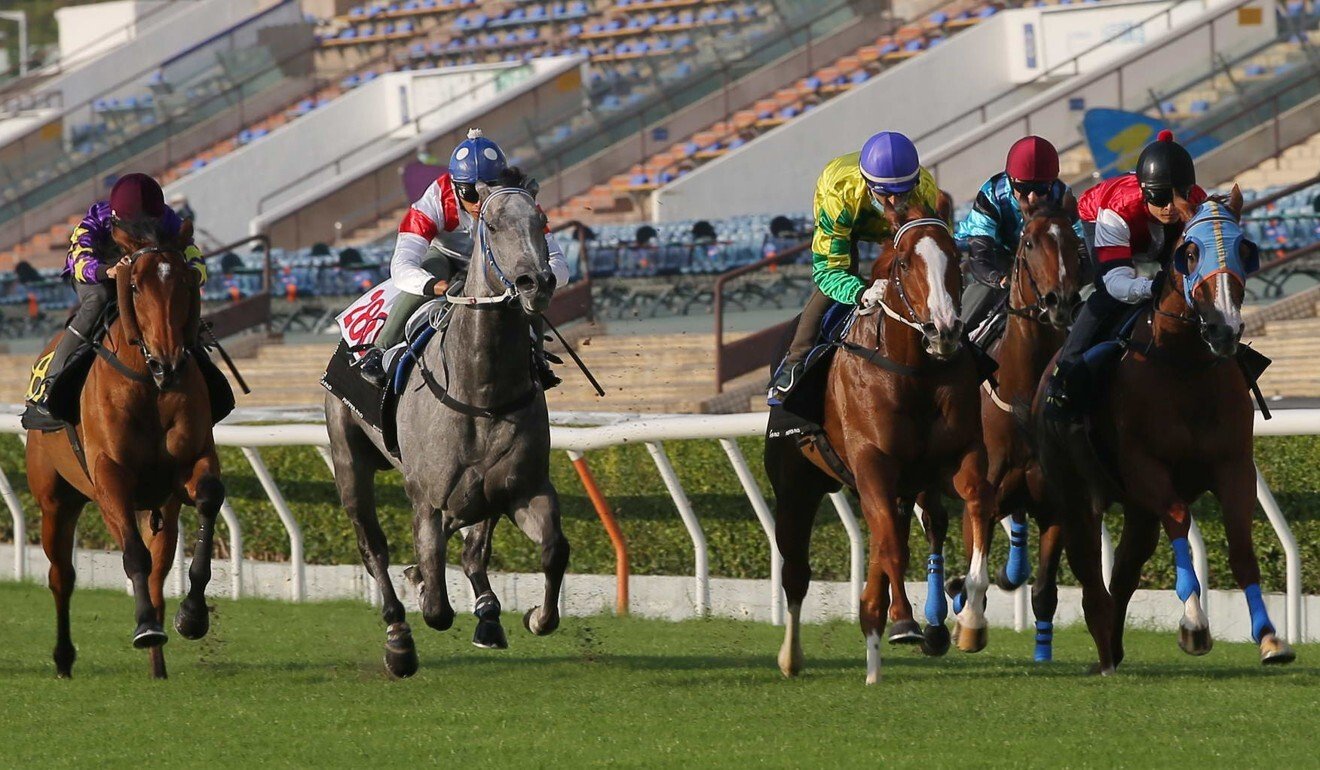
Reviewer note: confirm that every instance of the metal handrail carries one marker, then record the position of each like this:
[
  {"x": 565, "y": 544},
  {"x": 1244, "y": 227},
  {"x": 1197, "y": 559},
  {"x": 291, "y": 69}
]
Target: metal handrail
[
  {"x": 1281, "y": 193},
  {"x": 718, "y": 300},
  {"x": 266, "y": 268}
]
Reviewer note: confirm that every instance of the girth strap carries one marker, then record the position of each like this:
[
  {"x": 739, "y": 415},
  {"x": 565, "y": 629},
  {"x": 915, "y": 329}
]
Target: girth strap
[
  {"x": 475, "y": 411},
  {"x": 876, "y": 358}
]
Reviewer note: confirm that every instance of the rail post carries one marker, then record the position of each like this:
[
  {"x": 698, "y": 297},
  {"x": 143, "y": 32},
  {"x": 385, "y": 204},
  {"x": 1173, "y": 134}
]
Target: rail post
[
  {"x": 701, "y": 601},
  {"x": 754, "y": 496},
  {"x": 602, "y": 506},
  {"x": 297, "y": 589},
  {"x": 856, "y": 550}
]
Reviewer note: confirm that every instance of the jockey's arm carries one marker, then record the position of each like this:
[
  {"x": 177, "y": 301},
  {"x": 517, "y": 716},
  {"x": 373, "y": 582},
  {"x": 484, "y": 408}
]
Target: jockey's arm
[
  {"x": 981, "y": 231},
  {"x": 1113, "y": 251},
  {"x": 558, "y": 265},
  {"x": 831, "y": 250},
  {"x": 84, "y": 264},
  {"x": 406, "y": 265}
]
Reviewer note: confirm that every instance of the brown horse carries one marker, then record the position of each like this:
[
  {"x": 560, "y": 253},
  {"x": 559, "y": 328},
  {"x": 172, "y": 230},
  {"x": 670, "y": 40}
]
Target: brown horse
[
  {"x": 145, "y": 434},
  {"x": 902, "y": 413},
  {"x": 1175, "y": 423},
  {"x": 1045, "y": 281}
]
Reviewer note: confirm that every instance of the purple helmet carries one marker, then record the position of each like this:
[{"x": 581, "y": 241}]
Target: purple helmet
[{"x": 890, "y": 163}]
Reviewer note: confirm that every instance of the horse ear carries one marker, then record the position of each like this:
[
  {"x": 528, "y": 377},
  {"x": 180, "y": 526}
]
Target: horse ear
[
  {"x": 123, "y": 240},
  {"x": 1184, "y": 257},
  {"x": 1235, "y": 201},
  {"x": 944, "y": 206},
  {"x": 1069, "y": 204},
  {"x": 891, "y": 214},
  {"x": 1184, "y": 208},
  {"x": 483, "y": 190},
  {"x": 185, "y": 236},
  {"x": 532, "y": 186}
]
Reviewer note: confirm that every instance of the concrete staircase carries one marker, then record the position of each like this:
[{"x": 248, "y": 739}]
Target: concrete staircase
[
  {"x": 640, "y": 373},
  {"x": 1289, "y": 333},
  {"x": 1296, "y": 164}
]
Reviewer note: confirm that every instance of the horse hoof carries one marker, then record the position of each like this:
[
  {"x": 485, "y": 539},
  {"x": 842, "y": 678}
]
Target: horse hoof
[
  {"x": 192, "y": 625},
  {"x": 1097, "y": 670},
  {"x": 149, "y": 635},
  {"x": 490, "y": 636},
  {"x": 1275, "y": 652},
  {"x": 530, "y": 623},
  {"x": 971, "y": 639},
  {"x": 400, "y": 651},
  {"x": 1004, "y": 582},
  {"x": 790, "y": 661},
  {"x": 935, "y": 640},
  {"x": 440, "y": 621},
  {"x": 1195, "y": 641},
  {"x": 905, "y": 632}
]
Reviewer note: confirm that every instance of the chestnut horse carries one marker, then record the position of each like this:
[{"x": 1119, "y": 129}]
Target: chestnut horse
[
  {"x": 146, "y": 438},
  {"x": 1044, "y": 285},
  {"x": 1175, "y": 423},
  {"x": 902, "y": 413}
]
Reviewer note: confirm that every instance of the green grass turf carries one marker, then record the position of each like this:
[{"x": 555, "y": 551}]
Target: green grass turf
[{"x": 303, "y": 686}]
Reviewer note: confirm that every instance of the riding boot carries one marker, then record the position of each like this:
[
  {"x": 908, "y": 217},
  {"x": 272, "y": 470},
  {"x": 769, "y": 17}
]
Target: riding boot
[
  {"x": 541, "y": 359},
  {"x": 372, "y": 368},
  {"x": 804, "y": 339},
  {"x": 43, "y": 378},
  {"x": 1070, "y": 384}
]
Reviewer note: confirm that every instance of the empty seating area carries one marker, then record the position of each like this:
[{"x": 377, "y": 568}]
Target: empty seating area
[{"x": 623, "y": 192}]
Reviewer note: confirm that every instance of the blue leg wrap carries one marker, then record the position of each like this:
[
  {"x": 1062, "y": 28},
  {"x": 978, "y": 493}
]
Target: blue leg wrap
[
  {"x": 1260, "y": 619},
  {"x": 1044, "y": 641},
  {"x": 1187, "y": 584},
  {"x": 1019, "y": 567},
  {"x": 937, "y": 607}
]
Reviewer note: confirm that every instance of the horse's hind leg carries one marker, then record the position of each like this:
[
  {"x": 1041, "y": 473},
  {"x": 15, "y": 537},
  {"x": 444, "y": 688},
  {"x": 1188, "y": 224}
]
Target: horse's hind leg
[
  {"x": 204, "y": 490},
  {"x": 352, "y": 453},
  {"x": 969, "y": 483},
  {"x": 1141, "y": 535},
  {"x": 1045, "y": 591},
  {"x": 1082, "y": 544},
  {"x": 59, "y": 521},
  {"x": 1235, "y": 486},
  {"x": 114, "y": 496},
  {"x": 799, "y": 487},
  {"x": 489, "y": 634},
  {"x": 935, "y": 520},
  {"x": 163, "y": 526},
  {"x": 539, "y": 519}
]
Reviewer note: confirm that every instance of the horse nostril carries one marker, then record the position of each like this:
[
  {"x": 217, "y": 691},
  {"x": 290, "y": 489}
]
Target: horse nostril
[
  {"x": 1052, "y": 299},
  {"x": 525, "y": 283}
]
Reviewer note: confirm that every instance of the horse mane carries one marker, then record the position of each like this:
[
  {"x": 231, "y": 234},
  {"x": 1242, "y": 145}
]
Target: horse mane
[
  {"x": 512, "y": 176},
  {"x": 146, "y": 231},
  {"x": 1050, "y": 210}
]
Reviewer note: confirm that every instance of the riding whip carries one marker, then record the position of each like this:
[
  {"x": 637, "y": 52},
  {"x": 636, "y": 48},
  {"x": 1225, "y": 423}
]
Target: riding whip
[{"x": 573, "y": 353}]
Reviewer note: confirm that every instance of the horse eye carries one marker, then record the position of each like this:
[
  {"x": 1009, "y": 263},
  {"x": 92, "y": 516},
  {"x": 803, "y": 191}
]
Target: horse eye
[
  {"x": 902, "y": 265},
  {"x": 1028, "y": 245}
]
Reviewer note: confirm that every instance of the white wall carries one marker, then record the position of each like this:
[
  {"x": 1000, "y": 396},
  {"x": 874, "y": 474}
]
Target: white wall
[
  {"x": 939, "y": 89},
  {"x": 86, "y": 31},
  {"x": 365, "y": 123},
  {"x": 1174, "y": 57}
]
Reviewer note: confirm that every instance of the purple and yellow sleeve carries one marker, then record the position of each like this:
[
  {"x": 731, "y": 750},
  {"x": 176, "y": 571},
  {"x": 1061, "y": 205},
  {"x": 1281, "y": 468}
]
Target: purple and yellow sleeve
[{"x": 83, "y": 263}]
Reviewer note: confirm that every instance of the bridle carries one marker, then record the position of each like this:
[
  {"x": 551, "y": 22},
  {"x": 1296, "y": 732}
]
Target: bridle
[
  {"x": 489, "y": 264},
  {"x": 909, "y": 317},
  {"x": 154, "y": 364},
  {"x": 1039, "y": 311}
]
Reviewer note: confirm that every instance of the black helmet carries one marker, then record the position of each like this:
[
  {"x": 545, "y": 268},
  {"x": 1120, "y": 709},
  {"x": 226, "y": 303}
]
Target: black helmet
[{"x": 1166, "y": 165}]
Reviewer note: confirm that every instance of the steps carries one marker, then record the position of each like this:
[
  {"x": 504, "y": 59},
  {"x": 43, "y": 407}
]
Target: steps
[
  {"x": 1295, "y": 347},
  {"x": 1296, "y": 164}
]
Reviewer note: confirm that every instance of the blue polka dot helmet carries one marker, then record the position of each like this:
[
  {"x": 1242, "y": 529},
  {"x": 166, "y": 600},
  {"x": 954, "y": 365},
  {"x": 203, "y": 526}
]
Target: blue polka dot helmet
[{"x": 477, "y": 159}]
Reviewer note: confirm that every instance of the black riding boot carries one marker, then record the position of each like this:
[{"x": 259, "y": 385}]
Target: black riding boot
[
  {"x": 541, "y": 360},
  {"x": 1069, "y": 389}
]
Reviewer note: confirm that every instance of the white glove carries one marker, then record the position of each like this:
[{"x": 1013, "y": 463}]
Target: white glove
[{"x": 872, "y": 297}]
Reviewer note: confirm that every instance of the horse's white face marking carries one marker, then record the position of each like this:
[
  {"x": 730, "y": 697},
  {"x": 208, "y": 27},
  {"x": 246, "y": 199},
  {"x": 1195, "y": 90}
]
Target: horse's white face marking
[
  {"x": 873, "y": 657},
  {"x": 164, "y": 271},
  {"x": 940, "y": 302},
  {"x": 1058, "y": 243},
  {"x": 1224, "y": 303}
]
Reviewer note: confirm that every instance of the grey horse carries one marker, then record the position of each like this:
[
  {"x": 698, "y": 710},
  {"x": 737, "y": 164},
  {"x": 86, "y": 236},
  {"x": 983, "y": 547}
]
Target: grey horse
[{"x": 473, "y": 438}]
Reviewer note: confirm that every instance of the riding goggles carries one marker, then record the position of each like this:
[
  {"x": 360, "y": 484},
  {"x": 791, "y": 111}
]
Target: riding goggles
[
  {"x": 1161, "y": 196},
  {"x": 1041, "y": 189},
  {"x": 467, "y": 191}
]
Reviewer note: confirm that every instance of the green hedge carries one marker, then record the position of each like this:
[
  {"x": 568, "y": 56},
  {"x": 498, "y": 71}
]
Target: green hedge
[{"x": 657, "y": 542}]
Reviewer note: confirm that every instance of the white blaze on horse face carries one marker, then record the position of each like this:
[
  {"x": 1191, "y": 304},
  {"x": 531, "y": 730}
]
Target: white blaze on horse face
[
  {"x": 1057, "y": 235},
  {"x": 942, "y": 311},
  {"x": 1224, "y": 303},
  {"x": 164, "y": 271}
]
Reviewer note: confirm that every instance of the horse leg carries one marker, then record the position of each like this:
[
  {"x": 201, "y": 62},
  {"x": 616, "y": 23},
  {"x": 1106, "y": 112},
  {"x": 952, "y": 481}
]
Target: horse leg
[
  {"x": 971, "y": 632},
  {"x": 161, "y": 544},
  {"x": 476, "y": 556},
  {"x": 879, "y": 505},
  {"x": 538, "y": 518},
  {"x": 1141, "y": 534},
  {"x": 59, "y": 522},
  {"x": 1082, "y": 544},
  {"x": 115, "y": 499},
  {"x": 203, "y": 490},
  {"x": 1235, "y": 486},
  {"x": 1045, "y": 591},
  {"x": 799, "y": 487},
  {"x": 430, "y": 539},
  {"x": 935, "y": 519},
  {"x": 1017, "y": 570},
  {"x": 355, "y": 480}
]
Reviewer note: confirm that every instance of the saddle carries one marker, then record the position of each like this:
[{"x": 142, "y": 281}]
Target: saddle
[
  {"x": 64, "y": 397},
  {"x": 376, "y": 405}
]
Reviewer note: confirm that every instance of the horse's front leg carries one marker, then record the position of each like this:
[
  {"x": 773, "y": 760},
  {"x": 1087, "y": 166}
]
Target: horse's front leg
[
  {"x": 1235, "y": 486},
  {"x": 489, "y": 634},
  {"x": 201, "y": 488},
  {"x": 162, "y": 527},
  {"x": 430, "y": 539},
  {"x": 538, "y": 518},
  {"x": 887, "y": 562},
  {"x": 114, "y": 495},
  {"x": 935, "y": 520},
  {"x": 971, "y": 632}
]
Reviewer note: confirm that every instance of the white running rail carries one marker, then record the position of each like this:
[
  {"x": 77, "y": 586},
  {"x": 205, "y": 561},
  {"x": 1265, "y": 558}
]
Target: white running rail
[{"x": 652, "y": 433}]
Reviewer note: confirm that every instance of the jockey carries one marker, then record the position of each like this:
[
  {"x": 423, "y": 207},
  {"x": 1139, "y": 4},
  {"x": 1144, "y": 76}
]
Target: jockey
[
  {"x": 1028, "y": 184},
  {"x": 849, "y": 204},
  {"x": 136, "y": 203},
  {"x": 1132, "y": 217},
  {"x": 421, "y": 271}
]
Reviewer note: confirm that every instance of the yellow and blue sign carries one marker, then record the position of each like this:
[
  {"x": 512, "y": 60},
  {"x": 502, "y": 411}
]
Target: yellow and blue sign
[{"x": 1116, "y": 138}]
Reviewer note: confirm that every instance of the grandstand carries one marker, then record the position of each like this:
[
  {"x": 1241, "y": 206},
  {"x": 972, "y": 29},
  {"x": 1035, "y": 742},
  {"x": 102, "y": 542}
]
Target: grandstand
[{"x": 671, "y": 93}]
